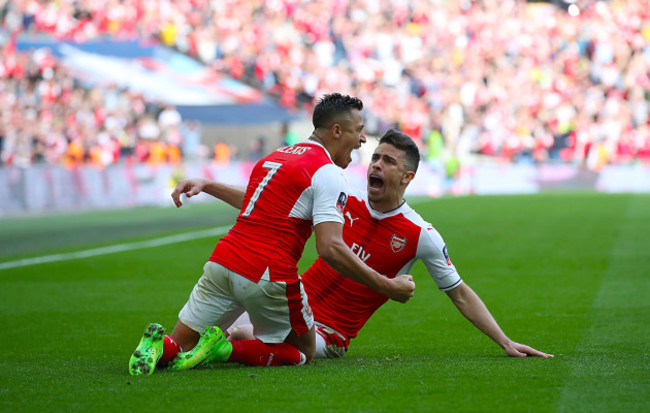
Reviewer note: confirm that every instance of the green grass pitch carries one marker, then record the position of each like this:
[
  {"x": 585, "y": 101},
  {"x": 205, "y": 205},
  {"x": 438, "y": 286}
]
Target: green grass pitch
[{"x": 568, "y": 274}]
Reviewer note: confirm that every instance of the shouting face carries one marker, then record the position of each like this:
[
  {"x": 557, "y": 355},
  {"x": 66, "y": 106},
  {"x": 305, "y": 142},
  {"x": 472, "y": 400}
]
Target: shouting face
[
  {"x": 388, "y": 177},
  {"x": 350, "y": 137}
]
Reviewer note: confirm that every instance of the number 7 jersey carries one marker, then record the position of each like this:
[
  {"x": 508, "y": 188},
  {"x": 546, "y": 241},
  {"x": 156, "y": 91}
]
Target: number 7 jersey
[{"x": 289, "y": 191}]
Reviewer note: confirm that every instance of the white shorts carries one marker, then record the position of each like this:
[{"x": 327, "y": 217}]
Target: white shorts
[{"x": 221, "y": 296}]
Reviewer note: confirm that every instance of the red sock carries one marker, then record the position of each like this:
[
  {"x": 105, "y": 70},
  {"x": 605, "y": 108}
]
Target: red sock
[
  {"x": 257, "y": 353},
  {"x": 170, "y": 349}
]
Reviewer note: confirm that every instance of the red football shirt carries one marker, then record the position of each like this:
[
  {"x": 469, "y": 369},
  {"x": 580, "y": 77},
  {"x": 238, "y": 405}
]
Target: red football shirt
[
  {"x": 289, "y": 191},
  {"x": 391, "y": 243}
]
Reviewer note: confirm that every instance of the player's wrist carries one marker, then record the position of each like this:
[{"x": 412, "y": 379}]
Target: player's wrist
[
  {"x": 393, "y": 289},
  {"x": 505, "y": 343}
]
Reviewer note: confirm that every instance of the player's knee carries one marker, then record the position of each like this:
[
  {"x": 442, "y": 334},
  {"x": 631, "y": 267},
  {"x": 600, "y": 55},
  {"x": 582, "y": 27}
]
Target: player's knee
[
  {"x": 308, "y": 348},
  {"x": 243, "y": 332},
  {"x": 305, "y": 343},
  {"x": 309, "y": 355}
]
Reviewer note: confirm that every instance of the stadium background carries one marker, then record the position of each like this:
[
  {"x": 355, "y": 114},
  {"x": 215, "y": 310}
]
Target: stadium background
[{"x": 106, "y": 104}]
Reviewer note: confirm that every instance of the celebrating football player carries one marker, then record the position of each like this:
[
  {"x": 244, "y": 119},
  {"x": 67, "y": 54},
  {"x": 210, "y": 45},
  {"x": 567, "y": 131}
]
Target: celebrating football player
[
  {"x": 254, "y": 266},
  {"x": 389, "y": 236}
]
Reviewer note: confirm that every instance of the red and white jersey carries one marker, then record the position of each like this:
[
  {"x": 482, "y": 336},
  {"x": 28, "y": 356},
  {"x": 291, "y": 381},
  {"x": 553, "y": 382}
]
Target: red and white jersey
[
  {"x": 391, "y": 243},
  {"x": 289, "y": 191}
]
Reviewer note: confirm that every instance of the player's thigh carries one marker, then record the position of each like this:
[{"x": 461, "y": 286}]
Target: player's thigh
[
  {"x": 212, "y": 301},
  {"x": 275, "y": 309},
  {"x": 241, "y": 329}
]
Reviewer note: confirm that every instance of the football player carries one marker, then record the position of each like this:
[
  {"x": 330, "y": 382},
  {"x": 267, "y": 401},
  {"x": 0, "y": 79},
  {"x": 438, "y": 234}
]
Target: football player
[
  {"x": 253, "y": 267},
  {"x": 389, "y": 236}
]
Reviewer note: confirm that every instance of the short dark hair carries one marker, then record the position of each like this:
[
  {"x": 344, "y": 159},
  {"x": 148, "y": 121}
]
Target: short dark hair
[
  {"x": 403, "y": 142},
  {"x": 332, "y": 105}
]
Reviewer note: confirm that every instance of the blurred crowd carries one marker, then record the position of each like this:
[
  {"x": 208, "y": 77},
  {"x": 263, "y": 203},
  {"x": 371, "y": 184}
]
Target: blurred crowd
[
  {"x": 505, "y": 80},
  {"x": 49, "y": 116}
]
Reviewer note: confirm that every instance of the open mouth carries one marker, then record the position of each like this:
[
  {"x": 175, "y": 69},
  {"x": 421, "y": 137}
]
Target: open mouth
[{"x": 375, "y": 182}]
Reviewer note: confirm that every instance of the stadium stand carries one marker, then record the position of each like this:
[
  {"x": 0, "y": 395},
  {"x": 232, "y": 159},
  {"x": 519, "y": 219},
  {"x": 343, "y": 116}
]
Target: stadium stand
[{"x": 505, "y": 80}]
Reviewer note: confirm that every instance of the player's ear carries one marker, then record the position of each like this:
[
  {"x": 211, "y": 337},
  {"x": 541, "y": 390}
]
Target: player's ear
[
  {"x": 407, "y": 177},
  {"x": 336, "y": 130}
]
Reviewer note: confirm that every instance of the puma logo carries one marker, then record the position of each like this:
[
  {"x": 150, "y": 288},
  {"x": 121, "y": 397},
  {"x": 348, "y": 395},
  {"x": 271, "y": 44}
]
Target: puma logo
[{"x": 347, "y": 214}]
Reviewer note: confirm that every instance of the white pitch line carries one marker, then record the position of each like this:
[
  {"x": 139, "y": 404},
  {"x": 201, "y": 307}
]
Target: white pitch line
[{"x": 172, "y": 239}]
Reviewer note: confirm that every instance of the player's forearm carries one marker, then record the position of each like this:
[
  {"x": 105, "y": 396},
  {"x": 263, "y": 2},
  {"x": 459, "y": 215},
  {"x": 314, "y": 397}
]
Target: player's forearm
[
  {"x": 232, "y": 195},
  {"x": 338, "y": 256},
  {"x": 332, "y": 249},
  {"x": 473, "y": 308}
]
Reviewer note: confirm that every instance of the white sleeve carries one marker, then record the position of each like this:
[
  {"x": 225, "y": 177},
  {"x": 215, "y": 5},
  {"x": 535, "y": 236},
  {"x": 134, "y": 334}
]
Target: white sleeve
[
  {"x": 433, "y": 252},
  {"x": 330, "y": 195}
]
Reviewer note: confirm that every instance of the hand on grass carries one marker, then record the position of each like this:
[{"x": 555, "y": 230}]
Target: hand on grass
[{"x": 521, "y": 350}]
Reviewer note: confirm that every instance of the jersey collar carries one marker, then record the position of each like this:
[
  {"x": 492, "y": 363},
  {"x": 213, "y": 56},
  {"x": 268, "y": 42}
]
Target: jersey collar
[
  {"x": 402, "y": 208},
  {"x": 312, "y": 142}
]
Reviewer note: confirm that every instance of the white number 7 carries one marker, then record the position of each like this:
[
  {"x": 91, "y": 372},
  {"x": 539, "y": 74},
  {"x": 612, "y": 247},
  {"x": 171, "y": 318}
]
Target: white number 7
[{"x": 273, "y": 166}]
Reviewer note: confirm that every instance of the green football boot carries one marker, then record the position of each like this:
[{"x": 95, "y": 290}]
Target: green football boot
[
  {"x": 212, "y": 346},
  {"x": 149, "y": 350}
]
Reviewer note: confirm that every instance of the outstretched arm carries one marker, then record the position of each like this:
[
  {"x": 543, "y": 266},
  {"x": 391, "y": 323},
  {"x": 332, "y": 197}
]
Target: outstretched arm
[
  {"x": 233, "y": 195},
  {"x": 471, "y": 306}
]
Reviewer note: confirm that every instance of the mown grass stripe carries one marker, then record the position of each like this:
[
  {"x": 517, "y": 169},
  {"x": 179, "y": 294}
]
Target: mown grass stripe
[{"x": 609, "y": 369}]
